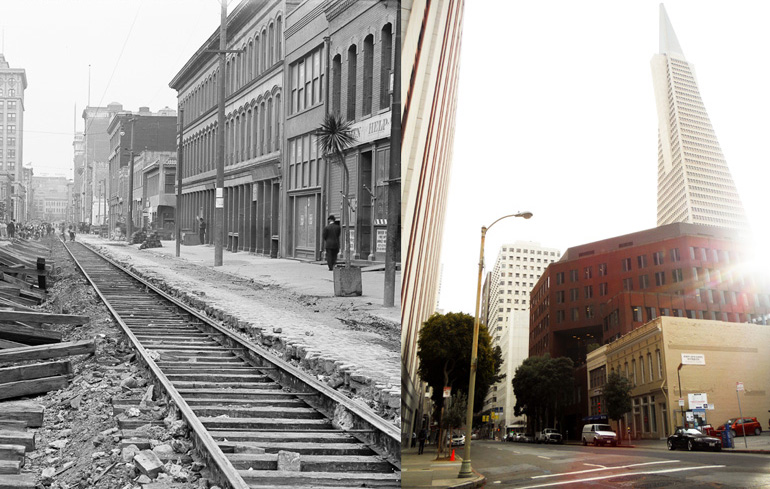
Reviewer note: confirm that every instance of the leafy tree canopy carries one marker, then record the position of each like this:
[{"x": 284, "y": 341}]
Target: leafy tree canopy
[
  {"x": 617, "y": 395},
  {"x": 542, "y": 386},
  {"x": 445, "y": 343}
]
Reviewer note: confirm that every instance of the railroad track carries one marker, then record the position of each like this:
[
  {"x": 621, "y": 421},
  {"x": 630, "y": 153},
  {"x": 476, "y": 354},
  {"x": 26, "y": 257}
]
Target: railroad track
[{"x": 244, "y": 406}]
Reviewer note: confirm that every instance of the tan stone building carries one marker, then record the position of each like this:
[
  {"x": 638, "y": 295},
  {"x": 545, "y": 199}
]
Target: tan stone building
[{"x": 650, "y": 355}]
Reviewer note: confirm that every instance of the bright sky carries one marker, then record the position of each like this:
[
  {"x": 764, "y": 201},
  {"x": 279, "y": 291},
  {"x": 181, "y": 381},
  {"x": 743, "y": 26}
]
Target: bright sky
[
  {"x": 556, "y": 115},
  {"x": 134, "y": 49}
]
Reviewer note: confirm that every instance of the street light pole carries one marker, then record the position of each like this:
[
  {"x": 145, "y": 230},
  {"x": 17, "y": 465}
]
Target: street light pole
[
  {"x": 130, "y": 223},
  {"x": 679, "y": 378},
  {"x": 465, "y": 468},
  {"x": 219, "y": 196}
]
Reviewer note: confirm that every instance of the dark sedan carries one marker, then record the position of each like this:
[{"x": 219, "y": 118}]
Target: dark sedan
[{"x": 693, "y": 439}]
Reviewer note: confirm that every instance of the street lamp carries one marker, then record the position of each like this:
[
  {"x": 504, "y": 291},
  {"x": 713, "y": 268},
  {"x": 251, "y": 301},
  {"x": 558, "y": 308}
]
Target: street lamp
[{"x": 465, "y": 468}]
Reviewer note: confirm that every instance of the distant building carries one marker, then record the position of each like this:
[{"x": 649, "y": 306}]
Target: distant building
[
  {"x": 50, "y": 198},
  {"x": 149, "y": 132},
  {"x": 157, "y": 175},
  {"x": 650, "y": 355},
  {"x": 78, "y": 146},
  {"x": 13, "y": 82},
  {"x": 93, "y": 172},
  {"x": 694, "y": 182},
  {"x": 601, "y": 291},
  {"x": 430, "y": 55},
  {"x": 517, "y": 267}
]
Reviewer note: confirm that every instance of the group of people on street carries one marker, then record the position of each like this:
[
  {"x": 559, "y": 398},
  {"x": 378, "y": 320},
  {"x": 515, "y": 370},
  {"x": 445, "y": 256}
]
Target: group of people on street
[{"x": 28, "y": 230}]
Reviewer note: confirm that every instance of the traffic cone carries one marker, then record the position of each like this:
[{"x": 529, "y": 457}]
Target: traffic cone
[{"x": 453, "y": 456}]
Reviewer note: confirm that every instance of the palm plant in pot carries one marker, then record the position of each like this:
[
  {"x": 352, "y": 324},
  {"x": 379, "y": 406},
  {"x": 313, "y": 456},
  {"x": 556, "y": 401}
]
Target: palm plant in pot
[{"x": 335, "y": 137}]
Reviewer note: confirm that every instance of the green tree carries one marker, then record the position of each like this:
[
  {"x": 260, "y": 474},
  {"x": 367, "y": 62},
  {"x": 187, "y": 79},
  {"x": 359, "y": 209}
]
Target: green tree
[
  {"x": 444, "y": 351},
  {"x": 543, "y": 386},
  {"x": 335, "y": 137},
  {"x": 617, "y": 398}
]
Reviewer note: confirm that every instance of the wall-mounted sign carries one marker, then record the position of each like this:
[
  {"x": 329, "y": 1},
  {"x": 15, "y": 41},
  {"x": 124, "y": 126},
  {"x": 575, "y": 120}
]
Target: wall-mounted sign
[
  {"x": 382, "y": 235},
  {"x": 697, "y": 401},
  {"x": 693, "y": 359},
  {"x": 372, "y": 129}
]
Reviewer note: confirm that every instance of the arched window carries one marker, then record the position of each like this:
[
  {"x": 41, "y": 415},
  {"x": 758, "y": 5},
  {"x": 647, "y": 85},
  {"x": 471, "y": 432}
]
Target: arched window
[
  {"x": 352, "y": 68},
  {"x": 271, "y": 36},
  {"x": 278, "y": 119},
  {"x": 368, "y": 74},
  {"x": 249, "y": 56},
  {"x": 270, "y": 121},
  {"x": 262, "y": 122},
  {"x": 265, "y": 43},
  {"x": 337, "y": 84},
  {"x": 247, "y": 142},
  {"x": 278, "y": 38},
  {"x": 257, "y": 57},
  {"x": 256, "y": 128}
]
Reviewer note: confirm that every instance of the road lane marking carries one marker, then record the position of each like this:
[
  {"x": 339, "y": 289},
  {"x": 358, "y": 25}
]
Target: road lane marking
[
  {"x": 547, "y": 458},
  {"x": 596, "y": 465},
  {"x": 604, "y": 468},
  {"x": 651, "y": 472}
]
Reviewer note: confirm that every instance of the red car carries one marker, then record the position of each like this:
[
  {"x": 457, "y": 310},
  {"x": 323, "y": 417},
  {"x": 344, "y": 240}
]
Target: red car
[{"x": 740, "y": 425}]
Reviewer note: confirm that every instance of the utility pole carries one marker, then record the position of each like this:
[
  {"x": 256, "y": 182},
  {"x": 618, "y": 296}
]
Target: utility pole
[
  {"x": 219, "y": 201},
  {"x": 178, "y": 210},
  {"x": 394, "y": 176}
]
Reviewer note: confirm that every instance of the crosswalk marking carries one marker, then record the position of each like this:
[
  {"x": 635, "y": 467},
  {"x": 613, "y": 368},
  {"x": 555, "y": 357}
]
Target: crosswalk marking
[
  {"x": 610, "y": 476},
  {"x": 604, "y": 468}
]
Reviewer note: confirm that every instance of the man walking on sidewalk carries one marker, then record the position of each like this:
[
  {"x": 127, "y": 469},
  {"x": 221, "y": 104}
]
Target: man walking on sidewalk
[
  {"x": 201, "y": 229},
  {"x": 11, "y": 228},
  {"x": 421, "y": 438},
  {"x": 331, "y": 237}
]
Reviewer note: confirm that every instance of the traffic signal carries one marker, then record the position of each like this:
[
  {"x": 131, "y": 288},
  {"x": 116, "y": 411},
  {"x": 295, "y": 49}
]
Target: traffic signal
[{"x": 600, "y": 407}]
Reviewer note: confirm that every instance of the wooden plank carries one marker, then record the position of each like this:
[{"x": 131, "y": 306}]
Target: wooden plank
[
  {"x": 48, "y": 351},
  {"x": 21, "y": 388},
  {"x": 21, "y": 481},
  {"x": 35, "y": 371},
  {"x": 42, "y": 317},
  {"x": 41, "y": 276},
  {"x": 28, "y": 271},
  {"x": 15, "y": 298},
  {"x": 10, "y": 344},
  {"x": 6, "y": 303},
  {"x": 24, "y": 438},
  {"x": 28, "y": 411},
  {"x": 28, "y": 334},
  {"x": 12, "y": 452},
  {"x": 10, "y": 467},
  {"x": 13, "y": 425}
]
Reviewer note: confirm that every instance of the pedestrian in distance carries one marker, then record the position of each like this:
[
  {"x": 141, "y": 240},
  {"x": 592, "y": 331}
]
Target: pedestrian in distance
[
  {"x": 201, "y": 229},
  {"x": 421, "y": 439},
  {"x": 331, "y": 237},
  {"x": 72, "y": 233},
  {"x": 11, "y": 227}
]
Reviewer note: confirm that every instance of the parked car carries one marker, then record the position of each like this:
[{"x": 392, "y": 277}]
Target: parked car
[
  {"x": 599, "y": 434},
  {"x": 693, "y": 439},
  {"x": 549, "y": 435},
  {"x": 458, "y": 440},
  {"x": 738, "y": 425},
  {"x": 526, "y": 438}
]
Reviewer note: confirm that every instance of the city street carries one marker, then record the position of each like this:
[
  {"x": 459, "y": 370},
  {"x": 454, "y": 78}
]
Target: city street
[{"x": 529, "y": 465}]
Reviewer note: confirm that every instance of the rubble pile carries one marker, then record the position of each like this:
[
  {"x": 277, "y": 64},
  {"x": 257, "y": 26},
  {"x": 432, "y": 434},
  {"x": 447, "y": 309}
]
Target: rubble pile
[
  {"x": 100, "y": 429},
  {"x": 151, "y": 241}
]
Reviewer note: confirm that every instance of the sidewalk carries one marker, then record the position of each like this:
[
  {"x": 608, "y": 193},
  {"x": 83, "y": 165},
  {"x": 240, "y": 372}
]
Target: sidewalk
[
  {"x": 425, "y": 471},
  {"x": 288, "y": 306}
]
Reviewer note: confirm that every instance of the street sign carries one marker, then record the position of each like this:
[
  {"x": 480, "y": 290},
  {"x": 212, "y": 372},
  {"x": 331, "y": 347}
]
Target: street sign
[
  {"x": 681, "y": 402},
  {"x": 710, "y": 407},
  {"x": 447, "y": 392},
  {"x": 693, "y": 359},
  {"x": 739, "y": 386},
  {"x": 697, "y": 401}
]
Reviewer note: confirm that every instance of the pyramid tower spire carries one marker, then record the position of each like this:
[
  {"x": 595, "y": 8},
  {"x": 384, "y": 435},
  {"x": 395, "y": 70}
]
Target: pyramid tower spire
[{"x": 669, "y": 44}]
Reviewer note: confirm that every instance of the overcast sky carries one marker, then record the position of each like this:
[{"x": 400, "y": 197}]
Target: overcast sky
[
  {"x": 556, "y": 115},
  {"x": 134, "y": 48}
]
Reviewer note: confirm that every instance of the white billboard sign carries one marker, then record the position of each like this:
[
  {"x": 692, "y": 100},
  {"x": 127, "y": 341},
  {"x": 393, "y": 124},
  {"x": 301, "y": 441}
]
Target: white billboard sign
[
  {"x": 693, "y": 359},
  {"x": 697, "y": 401}
]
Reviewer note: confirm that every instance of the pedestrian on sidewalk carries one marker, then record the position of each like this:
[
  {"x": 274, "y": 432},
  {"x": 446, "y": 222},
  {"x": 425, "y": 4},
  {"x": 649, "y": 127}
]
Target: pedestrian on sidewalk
[
  {"x": 331, "y": 237},
  {"x": 201, "y": 229},
  {"x": 421, "y": 438},
  {"x": 72, "y": 233},
  {"x": 11, "y": 228}
]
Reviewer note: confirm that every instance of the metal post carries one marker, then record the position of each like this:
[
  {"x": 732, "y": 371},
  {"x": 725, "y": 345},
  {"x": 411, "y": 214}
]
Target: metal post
[
  {"x": 130, "y": 223},
  {"x": 104, "y": 220},
  {"x": 679, "y": 378},
  {"x": 393, "y": 238},
  {"x": 740, "y": 412},
  {"x": 178, "y": 210},
  {"x": 219, "y": 196},
  {"x": 465, "y": 468}
]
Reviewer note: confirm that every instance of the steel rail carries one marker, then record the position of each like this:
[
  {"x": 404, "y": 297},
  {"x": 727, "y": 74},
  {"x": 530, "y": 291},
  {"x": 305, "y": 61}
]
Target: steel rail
[
  {"x": 225, "y": 472},
  {"x": 351, "y": 418}
]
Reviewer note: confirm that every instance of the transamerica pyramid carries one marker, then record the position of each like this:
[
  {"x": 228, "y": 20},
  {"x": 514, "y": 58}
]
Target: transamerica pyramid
[{"x": 694, "y": 182}]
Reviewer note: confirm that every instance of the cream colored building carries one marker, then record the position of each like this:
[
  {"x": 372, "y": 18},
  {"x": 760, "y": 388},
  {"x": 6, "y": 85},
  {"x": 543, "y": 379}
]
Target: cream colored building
[
  {"x": 650, "y": 356},
  {"x": 430, "y": 54},
  {"x": 694, "y": 182}
]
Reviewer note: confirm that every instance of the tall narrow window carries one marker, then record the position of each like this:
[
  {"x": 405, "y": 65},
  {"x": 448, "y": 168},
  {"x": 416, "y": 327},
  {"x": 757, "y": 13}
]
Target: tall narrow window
[
  {"x": 278, "y": 37},
  {"x": 271, "y": 54},
  {"x": 385, "y": 64},
  {"x": 352, "y": 69},
  {"x": 336, "y": 83},
  {"x": 368, "y": 74}
]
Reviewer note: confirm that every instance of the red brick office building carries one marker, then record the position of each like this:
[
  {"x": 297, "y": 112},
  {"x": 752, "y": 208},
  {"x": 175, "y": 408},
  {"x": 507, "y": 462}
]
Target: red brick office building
[{"x": 600, "y": 291}]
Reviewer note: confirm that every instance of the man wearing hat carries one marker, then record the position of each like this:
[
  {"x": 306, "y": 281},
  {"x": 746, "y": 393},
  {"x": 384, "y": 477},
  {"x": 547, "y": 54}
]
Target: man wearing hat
[{"x": 331, "y": 237}]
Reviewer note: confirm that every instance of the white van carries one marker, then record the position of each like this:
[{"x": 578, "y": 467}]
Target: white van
[{"x": 599, "y": 434}]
